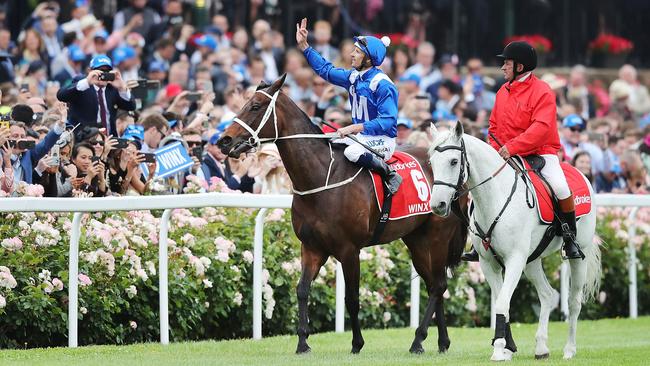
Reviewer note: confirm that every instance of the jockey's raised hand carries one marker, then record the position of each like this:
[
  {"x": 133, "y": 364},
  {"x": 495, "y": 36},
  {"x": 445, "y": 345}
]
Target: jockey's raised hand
[{"x": 301, "y": 34}]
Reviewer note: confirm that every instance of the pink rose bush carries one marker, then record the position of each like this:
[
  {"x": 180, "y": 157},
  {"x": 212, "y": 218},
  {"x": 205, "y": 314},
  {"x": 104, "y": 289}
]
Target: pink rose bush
[{"x": 210, "y": 276}]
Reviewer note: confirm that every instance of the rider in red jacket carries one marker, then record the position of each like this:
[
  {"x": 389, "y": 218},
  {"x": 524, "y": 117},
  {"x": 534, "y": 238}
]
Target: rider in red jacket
[{"x": 524, "y": 120}]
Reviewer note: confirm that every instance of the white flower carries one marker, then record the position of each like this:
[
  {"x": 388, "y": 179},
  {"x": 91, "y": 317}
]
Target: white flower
[
  {"x": 58, "y": 284},
  {"x": 3, "y": 302},
  {"x": 131, "y": 291},
  {"x": 206, "y": 261},
  {"x": 248, "y": 256},
  {"x": 188, "y": 239},
  {"x": 150, "y": 267},
  {"x": 83, "y": 310},
  {"x": 206, "y": 304},
  {"x": 265, "y": 275},
  {"x": 237, "y": 299},
  {"x": 602, "y": 296},
  {"x": 48, "y": 287},
  {"x": 142, "y": 274},
  {"x": 287, "y": 267},
  {"x": 222, "y": 256},
  {"x": 45, "y": 275},
  {"x": 207, "y": 283},
  {"x": 387, "y": 317},
  {"x": 133, "y": 324}
]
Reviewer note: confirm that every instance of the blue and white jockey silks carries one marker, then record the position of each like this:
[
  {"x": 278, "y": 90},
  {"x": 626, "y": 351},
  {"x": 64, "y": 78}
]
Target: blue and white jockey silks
[{"x": 373, "y": 99}]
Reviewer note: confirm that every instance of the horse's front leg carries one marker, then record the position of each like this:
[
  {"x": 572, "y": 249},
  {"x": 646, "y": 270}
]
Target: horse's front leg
[
  {"x": 311, "y": 260},
  {"x": 502, "y": 348},
  {"x": 350, "y": 264}
]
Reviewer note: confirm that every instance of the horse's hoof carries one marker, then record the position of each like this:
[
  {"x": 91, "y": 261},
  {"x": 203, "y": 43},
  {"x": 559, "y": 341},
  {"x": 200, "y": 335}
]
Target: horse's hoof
[
  {"x": 542, "y": 356},
  {"x": 569, "y": 352},
  {"x": 303, "y": 349},
  {"x": 416, "y": 349},
  {"x": 499, "y": 353},
  {"x": 444, "y": 347},
  {"x": 355, "y": 350}
]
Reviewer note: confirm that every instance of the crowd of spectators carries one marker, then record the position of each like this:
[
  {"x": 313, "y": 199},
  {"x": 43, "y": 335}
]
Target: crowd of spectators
[{"x": 174, "y": 82}]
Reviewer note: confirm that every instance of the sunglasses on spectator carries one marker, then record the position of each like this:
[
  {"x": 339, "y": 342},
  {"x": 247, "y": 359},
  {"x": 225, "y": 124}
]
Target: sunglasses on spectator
[
  {"x": 194, "y": 143},
  {"x": 576, "y": 129},
  {"x": 96, "y": 142},
  {"x": 161, "y": 132}
]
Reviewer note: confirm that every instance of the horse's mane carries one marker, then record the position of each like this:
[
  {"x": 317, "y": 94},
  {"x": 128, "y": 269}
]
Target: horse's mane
[{"x": 441, "y": 138}]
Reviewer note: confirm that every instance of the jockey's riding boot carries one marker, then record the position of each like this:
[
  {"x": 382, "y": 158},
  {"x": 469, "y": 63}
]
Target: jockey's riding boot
[
  {"x": 471, "y": 256},
  {"x": 391, "y": 178},
  {"x": 570, "y": 249}
]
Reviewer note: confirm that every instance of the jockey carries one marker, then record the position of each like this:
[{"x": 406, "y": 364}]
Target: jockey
[
  {"x": 524, "y": 120},
  {"x": 373, "y": 98}
]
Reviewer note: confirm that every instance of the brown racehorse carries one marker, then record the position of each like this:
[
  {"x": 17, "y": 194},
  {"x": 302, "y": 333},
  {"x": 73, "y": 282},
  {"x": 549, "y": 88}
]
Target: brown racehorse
[{"x": 340, "y": 221}]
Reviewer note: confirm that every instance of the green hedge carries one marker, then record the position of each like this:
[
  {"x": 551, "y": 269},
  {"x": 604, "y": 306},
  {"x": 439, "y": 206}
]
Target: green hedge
[{"x": 210, "y": 277}]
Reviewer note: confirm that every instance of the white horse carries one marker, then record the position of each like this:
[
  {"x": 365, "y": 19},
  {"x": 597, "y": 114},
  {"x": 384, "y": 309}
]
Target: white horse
[{"x": 457, "y": 159}]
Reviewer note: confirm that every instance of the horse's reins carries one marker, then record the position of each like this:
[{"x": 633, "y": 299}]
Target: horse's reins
[{"x": 255, "y": 141}]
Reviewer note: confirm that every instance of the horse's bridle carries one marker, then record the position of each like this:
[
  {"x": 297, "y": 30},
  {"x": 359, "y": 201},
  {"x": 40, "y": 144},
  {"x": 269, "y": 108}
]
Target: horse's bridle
[
  {"x": 255, "y": 140},
  {"x": 458, "y": 187}
]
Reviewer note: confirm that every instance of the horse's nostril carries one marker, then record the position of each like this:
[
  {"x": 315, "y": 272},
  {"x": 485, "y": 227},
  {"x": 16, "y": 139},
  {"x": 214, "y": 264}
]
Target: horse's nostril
[
  {"x": 224, "y": 141},
  {"x": 442, "y": 205}
]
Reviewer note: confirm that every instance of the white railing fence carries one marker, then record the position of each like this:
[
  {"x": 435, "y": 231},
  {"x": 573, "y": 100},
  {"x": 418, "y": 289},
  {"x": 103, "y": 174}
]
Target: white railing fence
[{"x": 85, "y": 205}]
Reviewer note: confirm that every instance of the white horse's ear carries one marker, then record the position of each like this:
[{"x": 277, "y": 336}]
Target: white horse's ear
[
  {"x": 458, "y": 131},
  {"x": 433, "y": 131}
]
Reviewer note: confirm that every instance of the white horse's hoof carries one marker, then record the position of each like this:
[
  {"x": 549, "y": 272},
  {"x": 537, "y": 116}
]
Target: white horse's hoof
[
  {"x": 499, "y": 353},
  {"x": 507, "y": 354},
  {"x": 569, "y": 352}
]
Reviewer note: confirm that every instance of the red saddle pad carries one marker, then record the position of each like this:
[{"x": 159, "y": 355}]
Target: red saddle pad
[
  {"x": 414, "y": 193},
  {"x": 577, "y": 184}
]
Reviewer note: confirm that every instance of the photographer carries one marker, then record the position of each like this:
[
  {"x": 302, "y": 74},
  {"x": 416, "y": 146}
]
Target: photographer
[
  {"x": 56, "y": 171},
  {"x": 24, "y": 154},
  {"x": 124, "y": 175},
  {"x": 95, "y": 99},
  {"x": 90, "y": 178}
]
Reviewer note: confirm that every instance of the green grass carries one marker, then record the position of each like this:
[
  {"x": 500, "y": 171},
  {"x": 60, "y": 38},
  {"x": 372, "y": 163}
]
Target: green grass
[{"x": 603, "y": 342}]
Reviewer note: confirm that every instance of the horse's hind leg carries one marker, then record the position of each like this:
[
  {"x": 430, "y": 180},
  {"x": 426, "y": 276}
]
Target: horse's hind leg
[
  {"x": 420, "y": 247},
  {"x": 351, "y": 270},
  {"x": 548, "y": 299},
  {"x": 311, "y": 260},
  {"x": 578, "y": 278}
]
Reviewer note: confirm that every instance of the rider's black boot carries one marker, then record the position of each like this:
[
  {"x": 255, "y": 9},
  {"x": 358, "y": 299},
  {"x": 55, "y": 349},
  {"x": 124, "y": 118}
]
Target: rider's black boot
[
  {"x": 391, "y": 178},
  {"x": 570, "y": 249}
]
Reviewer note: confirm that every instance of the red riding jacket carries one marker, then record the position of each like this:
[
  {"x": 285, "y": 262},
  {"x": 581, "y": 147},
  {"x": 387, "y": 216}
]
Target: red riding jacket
[{"x": 524, "y": 118}]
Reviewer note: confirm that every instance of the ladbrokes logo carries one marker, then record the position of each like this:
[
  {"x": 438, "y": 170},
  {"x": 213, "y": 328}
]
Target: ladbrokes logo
[
  {"x": 400, "y": 166},
  {"x": 582, "y": 199}
]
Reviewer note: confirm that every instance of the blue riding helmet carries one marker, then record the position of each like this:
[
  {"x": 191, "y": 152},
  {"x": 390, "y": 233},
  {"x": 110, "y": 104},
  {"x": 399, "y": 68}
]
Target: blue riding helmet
[
  {"x": 373, "y": 47},
  {"x": 101, "y": 61}
]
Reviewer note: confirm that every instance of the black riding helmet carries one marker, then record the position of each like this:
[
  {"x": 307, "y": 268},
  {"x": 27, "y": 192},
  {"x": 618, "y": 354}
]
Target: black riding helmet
[{"x": 521, "y": 53}]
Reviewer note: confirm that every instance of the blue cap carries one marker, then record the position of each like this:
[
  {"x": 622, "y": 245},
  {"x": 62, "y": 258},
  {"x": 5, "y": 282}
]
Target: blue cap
[
  {"x": 123, "y": 53},
  {"x": 103, "y": 34},
  {"x": 172, "y": 123},
  {"x": 100, "y": 61},
  {"x": 374, "y": 47},
  {"x": 410, "y": 77},
  {"x": 206, "y": 40},
  {"x": 573, "y": 120},
  {"x": 214, "y": 138},
  {"x": 75, "y": 53},
  {"x": 405, "y": 122},
  {"x": 80, "y": 3},
  {"x": 134, "y": 132},
  {"x": 157, "y": 66}
]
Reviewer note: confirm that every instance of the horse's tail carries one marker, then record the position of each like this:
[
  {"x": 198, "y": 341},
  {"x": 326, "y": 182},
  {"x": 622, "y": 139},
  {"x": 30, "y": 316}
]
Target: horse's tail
[
  {"x": 594, "y": 270},
  {"x": 457, "y": 245}
]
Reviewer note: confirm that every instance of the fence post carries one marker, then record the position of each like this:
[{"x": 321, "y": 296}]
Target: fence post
[
  {"x": 258, "y": 246},
  {"x": 631, "y": 231},
  {"x": 163, "y": 279},
  {"x": 73, "y": 280},
  {"x": 340, "y": 299},
  {"x": 415, "y": 297}
]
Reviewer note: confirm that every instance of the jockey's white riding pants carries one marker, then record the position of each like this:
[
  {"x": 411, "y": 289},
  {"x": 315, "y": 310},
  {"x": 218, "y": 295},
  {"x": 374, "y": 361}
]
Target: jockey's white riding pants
[
  {"x": 382, "y": 144},
  {"x": 555, "y": 176}
]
